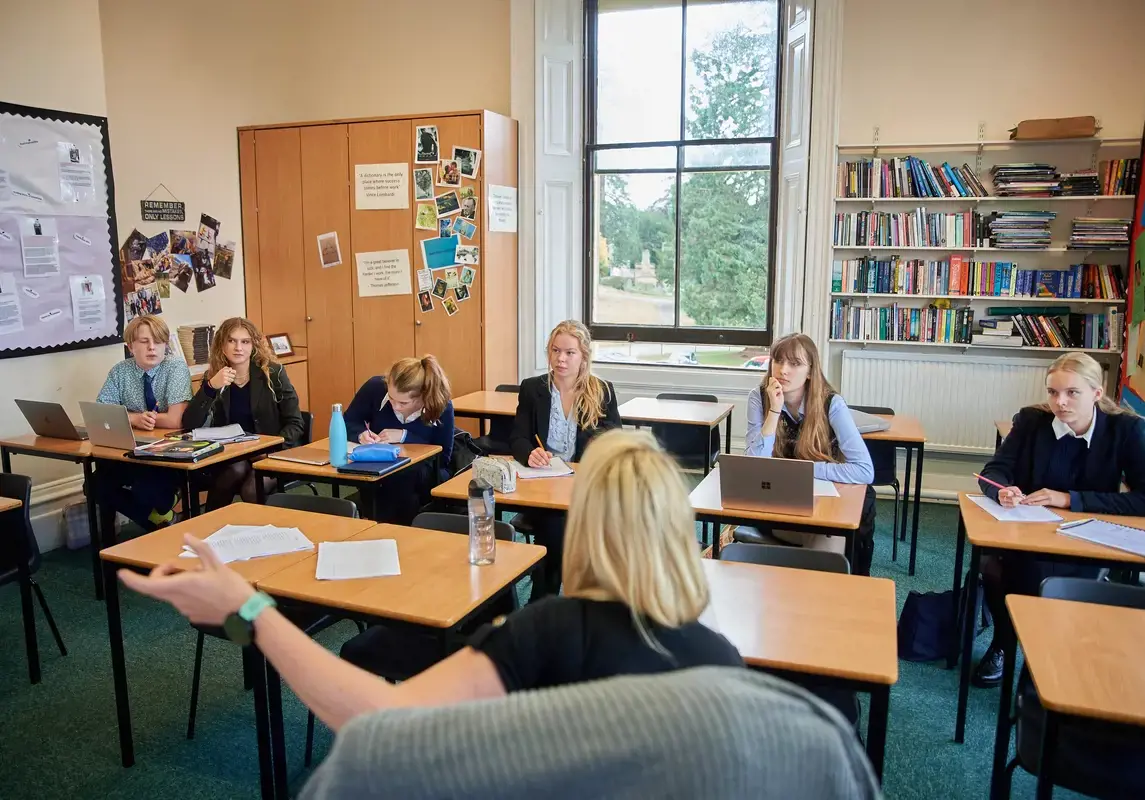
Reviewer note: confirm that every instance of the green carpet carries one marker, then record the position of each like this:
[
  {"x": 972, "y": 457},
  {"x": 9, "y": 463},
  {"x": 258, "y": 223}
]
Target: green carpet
[{"x": 60, "y": 737}]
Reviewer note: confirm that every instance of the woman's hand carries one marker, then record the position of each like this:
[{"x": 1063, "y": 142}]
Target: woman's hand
[
  {"x": 222, "y": 379},
  {"x": 390, "y": 436},
  {"x": 1010, "y": 496},
  {"x": 774, "y": 395},
  {"x": 539, "y": 458},
  {"x": 205, "y": 596},
  {"x": 1048, "y": 497},
  {"x": 368, "y": 437}
]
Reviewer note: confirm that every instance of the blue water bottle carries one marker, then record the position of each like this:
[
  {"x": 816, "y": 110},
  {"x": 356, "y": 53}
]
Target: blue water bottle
[{"x": 337, "y": 437}]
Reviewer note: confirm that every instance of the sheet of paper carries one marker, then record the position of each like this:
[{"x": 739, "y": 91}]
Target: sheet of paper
[
  {"x": 89, "y": 310},
  {"x": 439, "y": 252},
  {"x": 5, "y": 186},
  {"x": 329, "y": 252},
  {"x": 381, "y": 185},
  {"x": 825, "y": 488},
  {"x": 383, "y": 272},
  {"x": 11, "y": 319},
  {"x": 1119, "y": 537},
  {"x": 344, "y": 560},
  {"x": 41, "y": 247},
  {"x": 244, "y": 542},
  {"x": 424, "y": 280},
  {"x": 1015, "y": 514},
  {"x": 502, "y": 209},
  {"x": 219, "y": 434},
  {"x": 555, "y": 469},
  {"x": 76, "y": 182}
]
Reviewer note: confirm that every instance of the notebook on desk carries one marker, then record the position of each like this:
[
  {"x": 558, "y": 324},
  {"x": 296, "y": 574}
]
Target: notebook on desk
[
  {"x": 378, "y": 468},
  {"x": 1110, "y": 534},
  {"x": 869, "y": 423}
]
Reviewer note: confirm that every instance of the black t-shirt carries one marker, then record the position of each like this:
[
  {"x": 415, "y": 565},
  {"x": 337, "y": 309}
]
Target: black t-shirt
[
  {"x": 562, "y": 640},
  {"x": 240, "y": 410}
]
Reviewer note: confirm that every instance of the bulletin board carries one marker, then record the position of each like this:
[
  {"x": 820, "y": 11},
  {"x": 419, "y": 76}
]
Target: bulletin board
[{"x": 60, "y": 283}]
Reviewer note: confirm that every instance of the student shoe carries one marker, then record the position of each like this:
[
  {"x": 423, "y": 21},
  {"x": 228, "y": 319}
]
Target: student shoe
[
  {"x": 161, "y": 520},
  {"x": 988, "y": 673}
]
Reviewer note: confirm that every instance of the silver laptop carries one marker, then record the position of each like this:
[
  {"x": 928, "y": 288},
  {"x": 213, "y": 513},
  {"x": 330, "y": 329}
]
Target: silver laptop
[
  {"x": 109, "y": 426},
  {"x": 50, "y": 419},
  {"x": 778, "y": 485},
  {"x": 869, "y": 423}
]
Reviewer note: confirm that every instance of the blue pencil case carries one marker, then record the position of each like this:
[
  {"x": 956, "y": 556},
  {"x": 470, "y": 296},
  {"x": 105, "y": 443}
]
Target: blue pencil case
[{"x": 376, "y": 452}]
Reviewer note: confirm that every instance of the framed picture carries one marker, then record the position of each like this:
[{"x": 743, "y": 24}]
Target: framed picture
[{"x": 280, "y": 344}]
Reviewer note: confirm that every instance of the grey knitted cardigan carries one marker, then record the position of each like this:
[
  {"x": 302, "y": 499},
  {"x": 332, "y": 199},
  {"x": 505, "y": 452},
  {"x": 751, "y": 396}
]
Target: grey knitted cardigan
[{"x": 709, "y": 732}]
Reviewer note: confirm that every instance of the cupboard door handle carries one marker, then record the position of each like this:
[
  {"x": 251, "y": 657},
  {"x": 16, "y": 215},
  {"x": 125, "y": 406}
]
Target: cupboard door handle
[
  {"x": 418, "y": 323},
  {"x": 310, "y": 319}
]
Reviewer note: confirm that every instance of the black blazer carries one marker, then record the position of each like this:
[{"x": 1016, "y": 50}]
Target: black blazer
[
  {"x": 532, "y": 419},
  {"x": 1116, "y": 452},
  {"x": 275, "y": 414}
]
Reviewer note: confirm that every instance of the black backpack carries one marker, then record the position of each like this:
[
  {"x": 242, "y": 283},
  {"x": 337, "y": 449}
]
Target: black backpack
[
  {"x": 464, "y": 451},
  {"x": 929, "y": 629}
]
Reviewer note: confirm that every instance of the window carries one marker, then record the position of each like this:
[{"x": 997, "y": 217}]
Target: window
[{"x": 681, "y": 172}]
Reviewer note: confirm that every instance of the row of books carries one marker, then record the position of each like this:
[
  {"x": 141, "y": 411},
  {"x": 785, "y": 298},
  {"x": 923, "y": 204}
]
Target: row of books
[
  {"x": 916, "y": 228},
  {"x": 897, "y": 323},
  {"x": 1021, "y": 230},
  {"x": 957, "y": 276},
  {"x": 906, "y": 177},
  {"x": 1100, "y": 233},
  {"x": 1026, "y": 180},
  {"x": 1120, "y": 176},
  {"x": 1100, "y": 331}
]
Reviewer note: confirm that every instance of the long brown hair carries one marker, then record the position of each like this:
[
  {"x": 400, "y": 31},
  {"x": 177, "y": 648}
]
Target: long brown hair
[
  {"x": 588, "y": 407},
  {"x": 814, "y": 440},
  {"x": 421, "y": 377},
  {"x": 1086, "y": 366},
  {"x": 261, "y": 355}
]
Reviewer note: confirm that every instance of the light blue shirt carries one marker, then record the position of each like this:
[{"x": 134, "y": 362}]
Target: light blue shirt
[
  {"x": 857, "y": 466},
  {"x": 562, "y": 430},
  {"x": 170, "y": 379}
]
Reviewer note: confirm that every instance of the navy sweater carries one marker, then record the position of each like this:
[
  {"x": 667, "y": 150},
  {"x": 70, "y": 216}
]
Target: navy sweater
[{"x": 367, "y": 407}]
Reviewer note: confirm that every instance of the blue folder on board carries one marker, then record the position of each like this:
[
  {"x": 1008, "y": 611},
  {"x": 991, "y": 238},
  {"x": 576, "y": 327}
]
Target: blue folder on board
[{"x": 439, "y": 252}]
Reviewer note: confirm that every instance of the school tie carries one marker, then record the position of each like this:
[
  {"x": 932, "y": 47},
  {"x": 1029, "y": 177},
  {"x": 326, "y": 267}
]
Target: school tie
[{"x": 149, "y": 394}]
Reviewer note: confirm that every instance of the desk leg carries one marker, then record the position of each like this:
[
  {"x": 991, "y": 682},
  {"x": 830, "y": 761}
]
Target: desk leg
[
  {"x": 999, "y": 779},
  {"x": 93, "y": 529},
  {"x": 877, "y": 728},
  {"x": 28, "y": 610},
  {"x": 959, "y": 551},
  {"x": 256, "y": 667},
  {"x": 118, "y": 666},
  {"x": 717, "y": 528},
  {"x": 1046, "y": 761},
  {"x": 728, "y": 434},
  {"x": 5, "y": 460},
  {"x": 277, "y": 735},
  {"x": 917, "y": 508},
  {"x": 260, "y": 489},
  {"x": 906, "y": 492},
  {"x": 969, "y": 623},
  {"x": 190, "y": 496}
]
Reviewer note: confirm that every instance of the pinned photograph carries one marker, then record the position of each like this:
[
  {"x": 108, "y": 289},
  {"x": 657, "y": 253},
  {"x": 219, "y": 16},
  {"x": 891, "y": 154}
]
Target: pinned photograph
[
  {"x": 448, "y": 173},
  {"x": 426, "y": 150},
  {"x": 462, "y": 293},
  {"x": 425, "y": 300},
  {"x": 329, "y": 253},
  {"x": 224, "y": 260},
  {"x": 466, "y": 192},
  {"x": 450, "y": 306},
  {"x": 143, "y": 301},
  {"x": 467, "y": 275},
  {"x": 163, "y": 284},
  {"x": 467, "y": 254},
  {"x": 468, "y": 159},
  {"x": 181, "y": 272},
  {"x": 183, "y": 242},
  {"x": 423, "y": 184},
  {"x": 469, "y": 208},
  {"x": 447, "y": 204},
  {"x": 135, "y": 246},
  {"x": 426, "y": 219},
  {"x": 208, "y": 233},
  {"x": 464, "y": 227},
  {"x": 157, "y": 244},
  {"x": 452, "y": 279},
  {"x": 445, "y": 227},
  {"x": 204, "y": 274},
  {"x": 142, "y": 272},
  {"x": 439, "y": 288}
]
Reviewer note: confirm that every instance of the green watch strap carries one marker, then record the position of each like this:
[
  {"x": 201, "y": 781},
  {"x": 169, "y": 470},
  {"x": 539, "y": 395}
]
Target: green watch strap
[{"x": 255, "y": 605}]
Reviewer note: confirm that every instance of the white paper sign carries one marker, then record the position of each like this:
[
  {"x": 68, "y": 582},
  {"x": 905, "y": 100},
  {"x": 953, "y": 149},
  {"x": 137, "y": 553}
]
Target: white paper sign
[
  {"x": 381, "y": 185},
  {"x": 87, "y": 302},
  {"x": 40, "y": 246},
  {"x": 424, "y": 280},
  {"x": 11, "y": 321},
  {"x": 76, "y": 182},
  {"x": 502, "y": 209},
  {"x": 383, "y": 272}
]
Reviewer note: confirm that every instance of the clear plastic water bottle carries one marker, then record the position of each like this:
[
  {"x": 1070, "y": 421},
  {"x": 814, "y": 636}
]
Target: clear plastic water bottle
[
  {"x": 337, "y": 437},
  {"x": 482, "y": 540}
]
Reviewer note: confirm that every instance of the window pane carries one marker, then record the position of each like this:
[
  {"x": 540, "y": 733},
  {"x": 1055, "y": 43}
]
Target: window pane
[
  {"x": 638, "y": 72},
  {"x": 727, "y": 155},
  {"x": 637, "y": 158},
  {"x": 725, "y": 218},
  {"x": 683, "y": 355},
  {"x": 634, "y": 226},
  {"x": 731, "y": 70}
]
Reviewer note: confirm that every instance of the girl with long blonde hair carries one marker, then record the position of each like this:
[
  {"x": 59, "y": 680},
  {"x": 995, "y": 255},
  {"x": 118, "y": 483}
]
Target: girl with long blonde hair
[
  {"x": 245, "y": 385},
  {"x": 558, "y": 414}
]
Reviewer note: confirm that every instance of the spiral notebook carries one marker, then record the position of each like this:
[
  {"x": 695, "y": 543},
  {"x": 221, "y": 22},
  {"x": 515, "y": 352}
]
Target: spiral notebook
[{"x": 1098, "y": 531}]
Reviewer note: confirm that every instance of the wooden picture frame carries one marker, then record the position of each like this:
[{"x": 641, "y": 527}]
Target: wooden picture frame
[{"x": 280, "y": 344}]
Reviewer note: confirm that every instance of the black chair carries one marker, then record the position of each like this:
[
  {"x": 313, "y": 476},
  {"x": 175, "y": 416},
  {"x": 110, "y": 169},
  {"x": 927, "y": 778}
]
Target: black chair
[
  {"x": 307, "y": 438},
  {"x": 17, "y": 542},
  {"x": 496, "y": 442},
  {"x": 884, "y": 458},
  {"x": 793, "y": 557},
  {"x": 1092, "y": 757},
  {"x": 317, "y": 504},
  {"x": 687, "y": 442}
]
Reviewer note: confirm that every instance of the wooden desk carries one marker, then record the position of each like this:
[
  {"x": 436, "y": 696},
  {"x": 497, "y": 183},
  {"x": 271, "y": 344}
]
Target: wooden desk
[
  {"x": 1085, "y": 661},
  {"x": 989, "y": 536},
  {"x": 649, "y": 410},
  {"x": 483, "y": 406},
  {"x": 9, "y": 504},
  {"x": 792, "y": 621},
  {"x": 554, "y": 494},
  {"x": 328, "y": 474},
  {"x": 905, "y": 432},
  {"x": 1002, "y": 428},
  {"x": 837, "y": 516},
  {"x": 163, "y": 547}
]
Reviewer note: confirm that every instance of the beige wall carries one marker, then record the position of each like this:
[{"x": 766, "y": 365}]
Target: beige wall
[{"x": 931, "y": 70}]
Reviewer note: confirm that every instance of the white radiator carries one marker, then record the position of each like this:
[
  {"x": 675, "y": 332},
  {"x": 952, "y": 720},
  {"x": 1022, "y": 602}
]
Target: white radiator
[{"x": 957, "y": 397}]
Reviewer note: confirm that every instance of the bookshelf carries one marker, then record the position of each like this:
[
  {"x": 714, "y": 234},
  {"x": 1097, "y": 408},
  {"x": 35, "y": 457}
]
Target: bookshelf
[{"x": 1073, "y": 156}]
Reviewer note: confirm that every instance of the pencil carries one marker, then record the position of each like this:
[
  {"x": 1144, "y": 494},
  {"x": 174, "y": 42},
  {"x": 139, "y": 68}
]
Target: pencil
[
  {"x": 992, "y": 483},
  {"x": 538, "y": 438}
]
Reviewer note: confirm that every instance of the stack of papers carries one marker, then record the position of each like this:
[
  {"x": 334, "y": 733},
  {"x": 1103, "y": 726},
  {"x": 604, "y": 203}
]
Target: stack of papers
[
  {"x": 226, "y": 433},
  {"x": 1015, "y": 514},
  {"x": 555, "y": 469},
  {"x": 825, "y": 488},
  {"x": 1119, "y": 537},
  {"x": 368, "y": 559},
  {"x": 244, "y": 542}
]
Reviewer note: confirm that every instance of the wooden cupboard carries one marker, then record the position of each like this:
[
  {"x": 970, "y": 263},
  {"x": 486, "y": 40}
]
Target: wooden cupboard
[{"x": 297, "y": 182}]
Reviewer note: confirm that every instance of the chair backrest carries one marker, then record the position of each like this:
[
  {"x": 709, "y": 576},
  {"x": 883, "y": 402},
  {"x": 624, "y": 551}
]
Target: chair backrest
[
  {"x": 501, "y": 428},
  {"x": 887, "y": 412},
  {"x": 459, "y": 523},
  {"x": 794, "y": 557},
  {"x": 317, "y": 504},
  {"x": 307, "y": 428},
  {"x": 1087, "y": 591},
  {"x": 512, "y": 388},
  {"x": 687, "y": 441},
  {"x": 17, "y": 487}
]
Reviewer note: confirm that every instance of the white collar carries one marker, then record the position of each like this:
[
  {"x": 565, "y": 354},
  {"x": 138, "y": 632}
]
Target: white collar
[
  {"x": 1061, "y": 429},
  {"x": 401, "y": 419}
]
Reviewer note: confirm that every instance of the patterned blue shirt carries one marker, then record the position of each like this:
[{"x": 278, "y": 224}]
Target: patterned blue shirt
[
  {"x": 562, "y": 430},
  {"x": 170, "y": 379}
]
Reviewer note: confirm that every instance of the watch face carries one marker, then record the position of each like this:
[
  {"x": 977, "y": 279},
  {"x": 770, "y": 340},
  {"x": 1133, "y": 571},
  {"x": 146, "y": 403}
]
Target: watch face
[{"x": 237, "y": 629}]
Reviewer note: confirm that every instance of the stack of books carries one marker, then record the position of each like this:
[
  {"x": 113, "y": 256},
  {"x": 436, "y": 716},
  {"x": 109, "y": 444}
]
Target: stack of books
[
  {"x": 997, "y": 333},
  {"x": 906, "y": 177},
  {"x": 1020, "y": 230},
  {"x": 1120, "y": 176},
  {"x": 1099, "y": 233},
  {"x": 1025, "y": 180},
  {"x": 196, "y": 343},
  {"x": 1080, "y": 184}
]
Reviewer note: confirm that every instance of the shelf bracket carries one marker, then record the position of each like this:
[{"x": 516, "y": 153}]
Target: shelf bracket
[
  {"x": 875, "y": 140},
  {"x": 978, "y": 153}
]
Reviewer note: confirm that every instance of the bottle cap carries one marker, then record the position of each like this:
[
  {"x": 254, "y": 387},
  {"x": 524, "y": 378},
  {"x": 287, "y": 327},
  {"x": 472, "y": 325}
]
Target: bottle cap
[{"x": 337, "y": 408}]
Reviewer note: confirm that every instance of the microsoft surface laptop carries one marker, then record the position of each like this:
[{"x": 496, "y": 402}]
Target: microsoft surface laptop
[
  {"x": 109, "y": 426},
  {"x": 778, "y": 485},
  {"x": 50, "y": 419}
]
